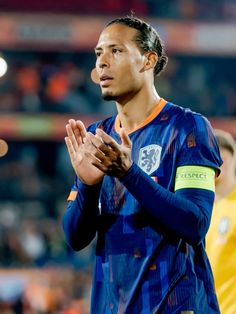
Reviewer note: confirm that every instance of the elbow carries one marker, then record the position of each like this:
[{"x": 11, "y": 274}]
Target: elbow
[
  {"x": 70, "y": 238},
  {"x": 77, "y": 245},
  {"x": 199, "y": 232},
  {"x": 77, "y": 239},
  {"x": 74, "y": 245},
  {"x": 203, "y": 227}
]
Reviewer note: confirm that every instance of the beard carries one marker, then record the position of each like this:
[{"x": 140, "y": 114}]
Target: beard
[
  {"x": 109, "y": 96},
  {"x": 118, "y": 97}
]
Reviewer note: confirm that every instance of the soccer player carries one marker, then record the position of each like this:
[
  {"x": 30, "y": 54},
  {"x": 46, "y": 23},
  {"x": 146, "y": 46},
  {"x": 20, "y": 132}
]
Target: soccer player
[
  {"x": 221, "y": 238},
  {"x": 144, "y": 185}
]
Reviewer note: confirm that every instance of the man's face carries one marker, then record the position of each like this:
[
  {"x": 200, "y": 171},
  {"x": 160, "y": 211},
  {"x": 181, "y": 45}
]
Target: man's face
[
  {"x": 119, "y": 63},
  {"x": 228, "y": 167}
]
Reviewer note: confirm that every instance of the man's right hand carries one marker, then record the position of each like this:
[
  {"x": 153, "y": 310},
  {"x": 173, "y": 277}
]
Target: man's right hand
[{"x": 75, "y": 142}]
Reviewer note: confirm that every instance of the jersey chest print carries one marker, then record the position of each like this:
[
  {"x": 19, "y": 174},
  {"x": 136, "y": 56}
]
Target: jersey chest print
[{"x": 149, "y": 158}]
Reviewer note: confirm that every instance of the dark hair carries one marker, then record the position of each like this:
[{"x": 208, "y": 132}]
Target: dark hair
[{"x": 147, "y": 39}]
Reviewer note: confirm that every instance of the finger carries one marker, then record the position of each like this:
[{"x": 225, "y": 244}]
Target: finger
[
  {"x": 70, "y": 148},
  {"x": 72, "y": 137},
  {"x": 81, "y": 128},
  {"x": 76, "y": 131},
  {"x": 100, "y": 157},
  {"x": 90, "y": 148},
  {"x": 125, "y": 138},
  {"x": 108, "y": 140},
  {"x": 98, "y": 143},
  {"x": 99, "y": 166},
  {"x": 96, "y": 162}
]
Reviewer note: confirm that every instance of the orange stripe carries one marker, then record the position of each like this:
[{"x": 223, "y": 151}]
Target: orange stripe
[
  {"x": 152, "y": 116},
  {"x": 72, "y": 195}
]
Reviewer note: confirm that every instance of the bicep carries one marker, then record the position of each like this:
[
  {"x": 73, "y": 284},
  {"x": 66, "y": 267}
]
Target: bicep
[{"x": 197, "y": 184}]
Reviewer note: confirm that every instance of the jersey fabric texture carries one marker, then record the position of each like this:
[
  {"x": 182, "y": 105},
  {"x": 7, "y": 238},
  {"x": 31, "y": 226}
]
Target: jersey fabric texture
[
  {"x": 220, "y": 244},
  {"x": 143, "y": 264}
]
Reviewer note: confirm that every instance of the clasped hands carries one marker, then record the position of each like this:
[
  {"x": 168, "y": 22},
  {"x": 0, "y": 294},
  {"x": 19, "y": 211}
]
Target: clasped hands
[{"x": 94, "y": 155}]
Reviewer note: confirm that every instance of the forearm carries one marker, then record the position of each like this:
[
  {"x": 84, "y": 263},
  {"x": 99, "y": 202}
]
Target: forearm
[
  {"x": 187, "y": 212},
  {"x": 80, "y": 218}
]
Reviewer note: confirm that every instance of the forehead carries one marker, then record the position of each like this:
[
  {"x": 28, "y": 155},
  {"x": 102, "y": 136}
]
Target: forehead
[{"x": 117, "y": 34}]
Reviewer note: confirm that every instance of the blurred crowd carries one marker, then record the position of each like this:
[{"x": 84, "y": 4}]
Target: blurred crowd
[
  {"x": 45, "y": 291},
  {"x": 49, "y": 82},
  {"x": 35, "y": 181},
  {"x": 61, "y": 83},
  {"x": 34, "y": 184},
  {"x": 180, "y": 9}
]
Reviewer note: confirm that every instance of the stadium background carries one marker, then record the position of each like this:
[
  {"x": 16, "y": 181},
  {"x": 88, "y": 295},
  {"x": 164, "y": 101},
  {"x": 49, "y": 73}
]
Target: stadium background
[{"x": 48, "y": 46}]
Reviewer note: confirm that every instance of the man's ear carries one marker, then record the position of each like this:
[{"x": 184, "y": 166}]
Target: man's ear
[
  {"x": 94, "y": 76},
  {"x": 150, "y": 60}
]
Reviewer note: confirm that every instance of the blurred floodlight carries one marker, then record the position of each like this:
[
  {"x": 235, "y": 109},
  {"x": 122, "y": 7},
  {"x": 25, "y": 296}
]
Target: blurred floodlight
[{"x": 3, "y": 66}]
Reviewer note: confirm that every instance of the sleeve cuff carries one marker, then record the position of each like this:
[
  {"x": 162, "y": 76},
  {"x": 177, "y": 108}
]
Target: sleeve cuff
[{"x": 133, "y": 171}]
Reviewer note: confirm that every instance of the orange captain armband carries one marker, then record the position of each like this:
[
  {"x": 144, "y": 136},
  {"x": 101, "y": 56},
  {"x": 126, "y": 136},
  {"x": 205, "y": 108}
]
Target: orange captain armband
[{"x": 72, "y": 195}]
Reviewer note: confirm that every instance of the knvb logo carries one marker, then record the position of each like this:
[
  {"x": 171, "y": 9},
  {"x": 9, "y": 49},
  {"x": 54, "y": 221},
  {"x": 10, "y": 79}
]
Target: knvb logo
[{"x": 149, "y": 158}]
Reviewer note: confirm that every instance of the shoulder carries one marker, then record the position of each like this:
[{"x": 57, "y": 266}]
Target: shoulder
[
  {"x": 105, "y": 124},
  {"x": 197, "y": 142},
  {"x": 187, "y": 120},
  {"x": 186, "y": 114}
]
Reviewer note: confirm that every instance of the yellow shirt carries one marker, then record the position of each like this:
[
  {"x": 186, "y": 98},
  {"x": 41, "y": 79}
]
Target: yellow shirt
[{"x": 221, "y": 250}]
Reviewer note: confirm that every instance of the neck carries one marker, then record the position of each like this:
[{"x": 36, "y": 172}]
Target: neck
[
  {"x": 134, "y": 111},
  {"x": 225, "y": 187}
]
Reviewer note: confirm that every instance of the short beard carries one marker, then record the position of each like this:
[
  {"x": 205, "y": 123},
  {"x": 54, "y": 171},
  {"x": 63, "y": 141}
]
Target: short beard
[{"x": 109, "y": 97}]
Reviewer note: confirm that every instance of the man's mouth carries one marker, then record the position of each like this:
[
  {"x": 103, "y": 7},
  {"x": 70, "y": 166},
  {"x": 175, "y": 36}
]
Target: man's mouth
[{"x": 105, "y": 80}]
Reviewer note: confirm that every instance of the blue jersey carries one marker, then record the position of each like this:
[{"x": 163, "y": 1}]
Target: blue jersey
[{"x": 144, "y": 265}]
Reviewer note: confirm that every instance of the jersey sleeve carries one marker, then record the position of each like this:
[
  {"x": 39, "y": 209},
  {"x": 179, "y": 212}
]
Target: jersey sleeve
[
  {"x": 198, "y": 143},
  {"x": 79, "y": 221}
]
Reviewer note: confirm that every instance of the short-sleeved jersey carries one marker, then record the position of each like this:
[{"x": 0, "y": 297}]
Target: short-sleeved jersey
[
  {"x": 140, "y": 266},
  {"x": 220, "y": 245}
]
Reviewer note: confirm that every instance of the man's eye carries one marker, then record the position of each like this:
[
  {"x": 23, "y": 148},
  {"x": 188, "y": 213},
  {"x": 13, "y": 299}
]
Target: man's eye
[
  {"x": 115, "y": 50},
  {"x": 98, "y": 54}
]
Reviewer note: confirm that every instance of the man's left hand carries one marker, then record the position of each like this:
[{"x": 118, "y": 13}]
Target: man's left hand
[{"x": 107, "y": 155}]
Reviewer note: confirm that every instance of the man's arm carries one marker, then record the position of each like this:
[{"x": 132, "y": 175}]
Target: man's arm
[
  {"x": 80, "y": 218},
  {"x": 187, "y": 212}
]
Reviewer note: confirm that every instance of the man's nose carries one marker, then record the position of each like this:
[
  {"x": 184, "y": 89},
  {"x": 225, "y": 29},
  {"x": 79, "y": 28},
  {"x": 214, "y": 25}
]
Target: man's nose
[{"x": 103, "y": 61}]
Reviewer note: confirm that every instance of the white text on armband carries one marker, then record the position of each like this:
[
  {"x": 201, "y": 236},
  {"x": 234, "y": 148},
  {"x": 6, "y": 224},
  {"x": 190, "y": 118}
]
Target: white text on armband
[{"x": 199, "y": 177}]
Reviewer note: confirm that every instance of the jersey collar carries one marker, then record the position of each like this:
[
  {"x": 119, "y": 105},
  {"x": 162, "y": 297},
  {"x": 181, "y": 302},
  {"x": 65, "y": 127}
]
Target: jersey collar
[{"x": 161, "y": 104}]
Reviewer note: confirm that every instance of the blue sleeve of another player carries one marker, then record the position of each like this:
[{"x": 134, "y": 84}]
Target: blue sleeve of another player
[
  {"x": 80, "y": 218},
  {"x": 187, "y": 212}
]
